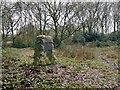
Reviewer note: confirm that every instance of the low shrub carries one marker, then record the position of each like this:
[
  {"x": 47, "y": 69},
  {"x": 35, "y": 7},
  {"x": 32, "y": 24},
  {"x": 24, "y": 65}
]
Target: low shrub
[
  {"x": 78, "y": 38},
  {"x": 19, "y": 43},
  {"x": 56, "y": 42},
  {"x": 76, "y": 51},
  {"x": 91, "y": 36},
  {"x": 101, "y": 44}
]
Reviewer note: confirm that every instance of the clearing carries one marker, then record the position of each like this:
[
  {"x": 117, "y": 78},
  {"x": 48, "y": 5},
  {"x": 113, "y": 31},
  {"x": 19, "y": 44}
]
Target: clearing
[{"x": 77, "y": 68}]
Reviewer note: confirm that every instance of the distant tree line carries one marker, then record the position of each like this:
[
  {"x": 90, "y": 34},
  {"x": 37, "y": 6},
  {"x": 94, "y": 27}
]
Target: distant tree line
[{"x": 23, "y": 21}]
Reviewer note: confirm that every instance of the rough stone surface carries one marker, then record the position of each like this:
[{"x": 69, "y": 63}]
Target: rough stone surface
[{"x": 43, "y": 46}]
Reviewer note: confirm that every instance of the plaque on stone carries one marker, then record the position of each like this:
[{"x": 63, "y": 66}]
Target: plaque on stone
[{"x": 48, "y": 46}]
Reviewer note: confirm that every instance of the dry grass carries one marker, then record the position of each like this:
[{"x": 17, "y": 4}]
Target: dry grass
[
  {"x": 76, "y": 51},
  {"x": 111, "y": 53}
]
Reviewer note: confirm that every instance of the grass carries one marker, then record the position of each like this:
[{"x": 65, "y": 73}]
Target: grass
[
  {"x": 76, "y": 51},
  {"x": 23, "y": 56},
  {"x": 77, "y": 71},
  {"x": 112, "y": 53}
]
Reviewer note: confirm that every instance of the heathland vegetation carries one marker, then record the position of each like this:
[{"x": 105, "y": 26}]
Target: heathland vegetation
[{"x": 86, "y": 40}]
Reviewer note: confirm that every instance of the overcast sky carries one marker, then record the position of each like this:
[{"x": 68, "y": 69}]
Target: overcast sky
[
  {"x": 15, "y": 17},
  {"x": 62, "y": 0}
]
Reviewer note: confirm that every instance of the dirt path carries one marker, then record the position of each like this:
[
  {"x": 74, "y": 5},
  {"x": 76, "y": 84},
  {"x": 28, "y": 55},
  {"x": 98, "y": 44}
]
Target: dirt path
[{"x": 112, "y": 64}]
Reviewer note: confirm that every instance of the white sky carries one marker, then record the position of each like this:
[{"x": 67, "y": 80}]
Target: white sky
[
  {"x": 62, "y": 0},
  {"x": 111, "y": 26}
]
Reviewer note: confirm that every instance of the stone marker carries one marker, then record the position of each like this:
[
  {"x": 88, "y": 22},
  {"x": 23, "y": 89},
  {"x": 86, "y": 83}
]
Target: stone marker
[
  {"x": 48, "y": 48},
  {"x": 43, "y": 45},
  {"x": 38, "y": 50}
]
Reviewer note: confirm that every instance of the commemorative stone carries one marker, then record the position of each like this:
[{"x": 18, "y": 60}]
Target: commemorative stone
[{"x": 43, "y": 46}]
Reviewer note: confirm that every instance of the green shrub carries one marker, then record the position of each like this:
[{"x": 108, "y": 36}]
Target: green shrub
[
  {"x": 78, "y": 38},
  {"x": 98, "y": 43},
  {"x": 113, "y": 36},
  {"x": 19, "y": 43},
  {"x": 68, "y": 41},
  {"x": 102, "y": 43},
  {"x": 31, "y": 44},
  {"x": 91, "y": 36},
  {"x": 56, "y": 41}
]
